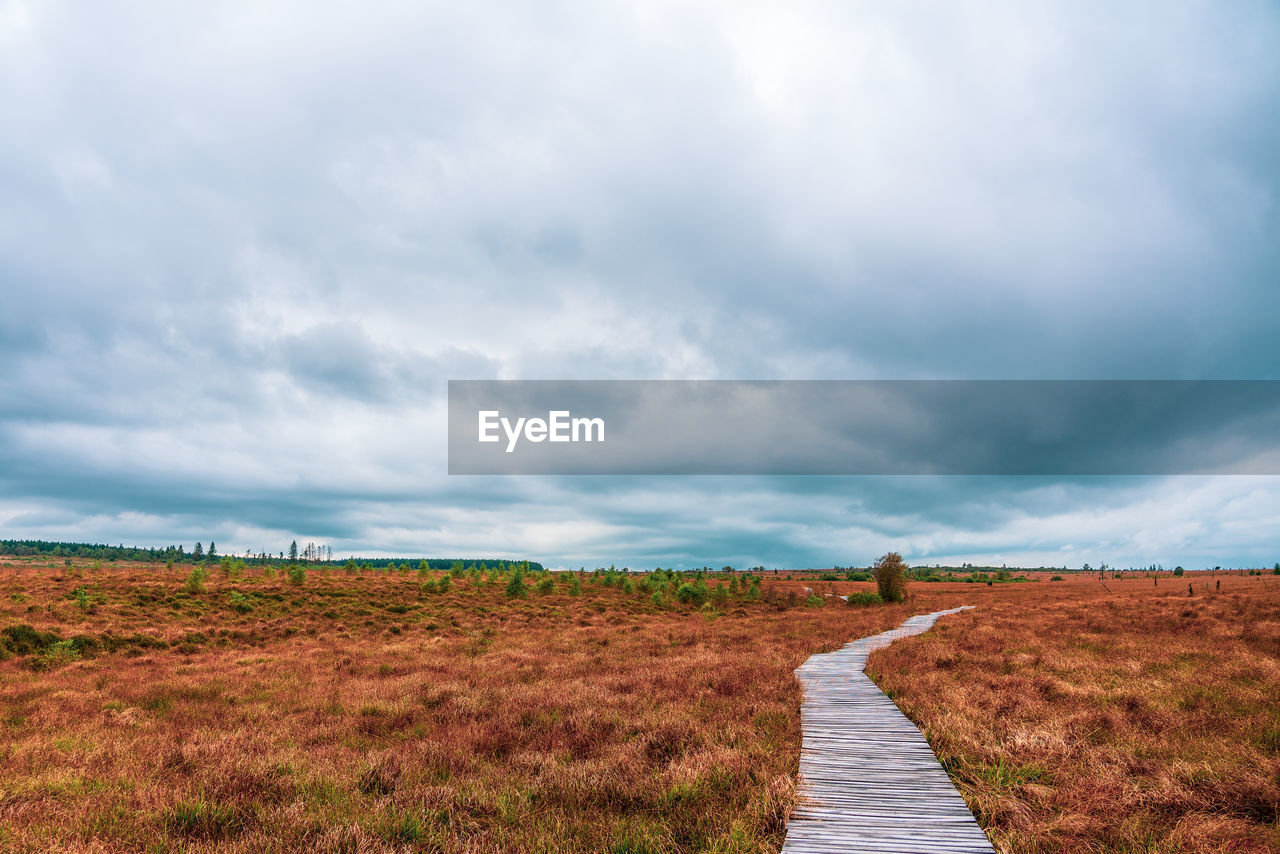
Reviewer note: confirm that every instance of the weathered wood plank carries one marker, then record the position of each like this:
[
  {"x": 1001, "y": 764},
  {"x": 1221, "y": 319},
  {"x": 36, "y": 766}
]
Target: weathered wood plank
[{"x": 869, "y": 782}]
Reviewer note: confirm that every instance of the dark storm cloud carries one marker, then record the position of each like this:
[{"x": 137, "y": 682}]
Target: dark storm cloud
[{"x": 242, "y": 248}]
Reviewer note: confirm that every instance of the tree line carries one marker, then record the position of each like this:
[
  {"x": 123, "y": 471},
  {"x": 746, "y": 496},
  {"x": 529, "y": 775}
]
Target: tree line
[{"x": 199, "y": 553}]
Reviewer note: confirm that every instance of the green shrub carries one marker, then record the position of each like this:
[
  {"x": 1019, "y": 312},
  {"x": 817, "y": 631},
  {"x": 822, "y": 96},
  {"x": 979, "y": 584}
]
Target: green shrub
[
  {"x": 58, "y": 654},
  {"x": 21, "y": 639},
  {"x": 546, "y": 584},
  {"x": 516, "y": 588},
  {"x": 890, "y": 574},
  {"x": 863, "y": 598},
  {"x": 239, "y": 603},
  {"x": 1178, "y": 571},
  {"x": 814, "y": 600},
  {"x": 86, "y": 601},
  {"x": 691, "y": 593},
  {"x": 1056, "y": 578},
  {"x": 445, "y": 582},
  {"x": 297, "y": 573},
  {"x": 753, "y": 592},
  {"x": 196, "y": 579},
  {"x": 575, "y": 585}
]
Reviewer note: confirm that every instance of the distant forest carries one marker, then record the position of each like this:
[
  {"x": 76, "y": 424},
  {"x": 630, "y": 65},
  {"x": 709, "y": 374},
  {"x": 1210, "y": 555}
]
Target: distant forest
[{"x": 179, "y": 554}]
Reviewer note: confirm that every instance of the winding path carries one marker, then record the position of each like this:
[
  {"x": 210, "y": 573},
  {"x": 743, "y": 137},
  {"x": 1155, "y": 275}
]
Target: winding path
[{"x": 869, "y": 781}]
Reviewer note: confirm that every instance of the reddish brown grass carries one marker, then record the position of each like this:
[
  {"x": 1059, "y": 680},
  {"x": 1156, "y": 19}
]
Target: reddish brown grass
[
  {"x": 1076, "y": 719},
  {"x": 358, "y": 714}
]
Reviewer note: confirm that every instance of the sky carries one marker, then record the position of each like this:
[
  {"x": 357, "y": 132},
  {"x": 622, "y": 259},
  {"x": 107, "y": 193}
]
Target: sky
[{"x": 244, "y": 246}]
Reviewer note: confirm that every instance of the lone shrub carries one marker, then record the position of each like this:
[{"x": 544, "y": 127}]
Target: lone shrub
[
  {"x": 297, "y": 573},
  {"x": 196, "y": 579},
  {"x": 890, "y": 574},
  {"x": 59, "y": 654},
  {"x": 515, "y": 586},
  {"x": 692, "y": 593},
  {"x": 239, "y": 603},
  {"x": 862, "y": 598}
]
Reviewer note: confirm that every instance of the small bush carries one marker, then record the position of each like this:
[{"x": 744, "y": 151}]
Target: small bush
[
  {"x": 575, "y": 586},
  {"x": 546, "y": 584},
  {"x": 239, "y": 603},
  {"x": 863, "y": 598},
  {"x": 814, "y": 600},
  {"x": 1178, "y": 571},
  {"x": 297, "y": 574},
  {"x": 196, "y": 579},
  {"x": 1056, "y": 578},
  {"x": 516, "y": 588},
  {"x": 86, "y": 601},
  {"x": 21, "y": 639},
  {"x": 59, "y": 654},
  {"x": 691, "y": 593},
  {"x": 890, "y": 574}
]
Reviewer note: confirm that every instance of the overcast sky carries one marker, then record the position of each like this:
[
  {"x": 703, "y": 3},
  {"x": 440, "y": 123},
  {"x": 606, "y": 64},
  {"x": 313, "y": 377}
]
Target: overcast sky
[{"x": 243, "y": 246}]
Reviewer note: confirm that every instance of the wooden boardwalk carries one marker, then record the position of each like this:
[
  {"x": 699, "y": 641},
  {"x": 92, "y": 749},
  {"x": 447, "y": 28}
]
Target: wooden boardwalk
[{"x": 869, "y": 781}]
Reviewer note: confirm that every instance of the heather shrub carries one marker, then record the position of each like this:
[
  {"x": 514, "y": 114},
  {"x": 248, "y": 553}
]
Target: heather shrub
[
  {"x": 239, "y": 602},
  {"x": 58, "y": 654}
]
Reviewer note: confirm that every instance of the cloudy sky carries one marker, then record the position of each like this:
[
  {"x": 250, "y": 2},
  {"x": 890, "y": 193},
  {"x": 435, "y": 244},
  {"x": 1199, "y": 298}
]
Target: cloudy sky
[{"x": 243, "y": 247}]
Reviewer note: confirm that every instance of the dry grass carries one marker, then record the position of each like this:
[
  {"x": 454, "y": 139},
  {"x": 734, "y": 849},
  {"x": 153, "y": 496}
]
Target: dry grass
[
  {"x": 358, "y": 713},
  {"x": 362, "y": 714},
  {"x": 1077, "y": 719}
]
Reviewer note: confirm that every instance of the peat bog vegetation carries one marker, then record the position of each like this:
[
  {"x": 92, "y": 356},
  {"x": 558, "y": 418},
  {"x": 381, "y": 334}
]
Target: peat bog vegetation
[{"x": 147, "y": 709}]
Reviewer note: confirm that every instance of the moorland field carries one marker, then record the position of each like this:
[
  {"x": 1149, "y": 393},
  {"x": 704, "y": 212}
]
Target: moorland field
[{"x": 332, "y": 710}]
